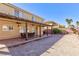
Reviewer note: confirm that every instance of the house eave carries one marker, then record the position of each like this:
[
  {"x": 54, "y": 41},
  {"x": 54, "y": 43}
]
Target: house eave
[{"x": 20, "y": 19}]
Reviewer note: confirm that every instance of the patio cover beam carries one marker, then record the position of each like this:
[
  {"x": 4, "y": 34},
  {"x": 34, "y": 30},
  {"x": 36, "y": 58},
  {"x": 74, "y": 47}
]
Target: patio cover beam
[{"x": 20, "y": 19}]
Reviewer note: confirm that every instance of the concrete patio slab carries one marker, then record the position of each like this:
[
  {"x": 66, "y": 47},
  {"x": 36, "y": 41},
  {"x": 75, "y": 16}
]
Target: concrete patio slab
[
  {"x": 15, "y": 42},
  {"x": 67, "y": 46},
  {"x": 56, "y": 45},
  {"x": 34, "y": 48}
]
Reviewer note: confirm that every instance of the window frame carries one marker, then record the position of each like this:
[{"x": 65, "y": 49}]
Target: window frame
[
  {"x": 33, "y": 18},
  {"x": 7, "y": 28},
  {"x": 16, "y": 13}
]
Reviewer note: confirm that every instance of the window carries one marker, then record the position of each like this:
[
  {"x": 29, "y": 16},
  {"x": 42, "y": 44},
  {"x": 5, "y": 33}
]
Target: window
[
  {"x": 20, "y": 14},
  {"x": 10, "y": 28},
  {"x": 45, "y": 27},
  {"x": 33, "y": 30},
  {"x": 25, "y": 16},
  {"x": 16, "y": 13},
  {"x": 22, "y": 29},
  {"x": 7, "y": 28},
  {"x": 33, "y": 18}
]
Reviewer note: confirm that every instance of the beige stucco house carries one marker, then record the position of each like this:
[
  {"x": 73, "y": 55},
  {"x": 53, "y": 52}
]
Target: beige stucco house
[{"x": 13, "y": 20}]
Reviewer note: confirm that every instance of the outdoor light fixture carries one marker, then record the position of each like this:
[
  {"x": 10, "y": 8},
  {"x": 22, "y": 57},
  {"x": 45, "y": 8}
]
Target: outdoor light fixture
[{"x": 18, "y": 23}]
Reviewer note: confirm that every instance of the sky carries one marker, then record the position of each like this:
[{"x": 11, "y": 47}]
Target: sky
[{"x": 57, "y": 12}]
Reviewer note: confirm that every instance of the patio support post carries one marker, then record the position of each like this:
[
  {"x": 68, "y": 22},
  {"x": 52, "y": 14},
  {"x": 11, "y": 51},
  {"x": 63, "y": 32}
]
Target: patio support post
[
  {"x": 47, "y": 30},
  {"x": 26, "y": 32},
  {"x": 36, "y": 31},
  {"x": 40, "y": 31},
  {"x": 51, "y": 29}
]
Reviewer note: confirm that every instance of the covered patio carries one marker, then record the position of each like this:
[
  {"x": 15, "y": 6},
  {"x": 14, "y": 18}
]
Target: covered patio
[{"x": 32, "y": 29}]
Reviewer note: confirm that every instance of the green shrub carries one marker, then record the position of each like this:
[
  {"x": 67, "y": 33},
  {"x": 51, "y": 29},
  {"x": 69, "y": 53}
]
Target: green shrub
[
  {"x": 56, "y": 31},
  {"x": 74, "y": 30}
]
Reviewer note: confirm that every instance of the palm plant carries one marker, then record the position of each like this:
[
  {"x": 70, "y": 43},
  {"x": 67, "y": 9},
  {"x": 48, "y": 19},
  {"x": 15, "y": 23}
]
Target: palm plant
[
  {"x": 77, "y": 23},
  {"x": 69, "y": 21}
]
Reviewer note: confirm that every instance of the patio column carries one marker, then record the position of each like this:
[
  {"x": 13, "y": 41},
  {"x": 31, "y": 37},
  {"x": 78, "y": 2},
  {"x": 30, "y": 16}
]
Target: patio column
[
  {"x": 26, "y": 31},
  {"x": 40, "y": 31},
  {"x": 36, "y": 31},
  {"x": 47, "y": 30},
  {"x": 51, "y": 29}
]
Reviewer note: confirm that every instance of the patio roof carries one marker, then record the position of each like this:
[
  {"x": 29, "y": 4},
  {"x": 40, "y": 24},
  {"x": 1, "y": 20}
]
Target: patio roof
[{"x": 20, "y": 19}]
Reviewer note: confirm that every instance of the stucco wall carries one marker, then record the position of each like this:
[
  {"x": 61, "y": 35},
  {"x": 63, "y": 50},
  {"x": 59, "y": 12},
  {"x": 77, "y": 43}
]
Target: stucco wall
[
  {"x": 6, "y": 9},
  {"x": 36, "y": 28},
  {"x": 38, "y": 19},
  {"x": 9, "y": 34},
  {"x": 15, "y": 32}
]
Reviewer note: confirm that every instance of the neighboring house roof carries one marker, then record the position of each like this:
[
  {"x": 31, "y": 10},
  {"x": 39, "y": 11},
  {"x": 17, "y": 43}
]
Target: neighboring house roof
[
  {"x": 62, "y": 25},
  {"x": 51, "y": 23}
]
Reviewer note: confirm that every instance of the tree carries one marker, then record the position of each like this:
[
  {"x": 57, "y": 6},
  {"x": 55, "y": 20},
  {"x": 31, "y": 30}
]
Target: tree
[
  {"x": 77, "y": 23},
  {"x": 72, "y": 26},
  {"x": 69, "y": 21}
]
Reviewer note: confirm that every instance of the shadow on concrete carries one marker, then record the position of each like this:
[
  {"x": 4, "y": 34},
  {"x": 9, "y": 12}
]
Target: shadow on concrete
[{"x": 4, "y": 53}]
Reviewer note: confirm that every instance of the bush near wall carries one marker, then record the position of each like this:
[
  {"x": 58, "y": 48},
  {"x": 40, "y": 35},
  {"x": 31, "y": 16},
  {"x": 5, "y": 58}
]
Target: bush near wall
[
  {"x": 57, "y": 31},
  {"x": 72, "y": 30},
  {"x": 75, "y": 31}
]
